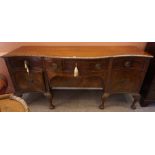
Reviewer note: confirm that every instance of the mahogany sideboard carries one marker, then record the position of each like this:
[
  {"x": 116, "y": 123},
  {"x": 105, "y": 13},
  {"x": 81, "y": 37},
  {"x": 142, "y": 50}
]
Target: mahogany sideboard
[{"x": 115, "y": 69}]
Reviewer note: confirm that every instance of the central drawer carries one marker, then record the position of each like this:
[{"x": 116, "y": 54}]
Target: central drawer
[
  {"x": 91, "y": 72},
  {"x": 84, "y": 65}
]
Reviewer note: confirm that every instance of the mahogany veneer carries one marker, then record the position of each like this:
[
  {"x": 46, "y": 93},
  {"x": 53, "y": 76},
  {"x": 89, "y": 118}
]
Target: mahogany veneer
[{"x": 115, "y": 69}]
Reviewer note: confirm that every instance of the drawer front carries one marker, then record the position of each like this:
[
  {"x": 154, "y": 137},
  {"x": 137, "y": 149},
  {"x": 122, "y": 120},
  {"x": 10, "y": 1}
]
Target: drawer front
[
  {"x": 129, "y": 62},
  {"x": 85, "y": 66},
  {"x": 53, "y": 65},
  {"x": 29, "y": 83},
  {"x": 92, "y": 73},
  {"x": 19, "y": 62},
  {"x": 68, "y": 65}
]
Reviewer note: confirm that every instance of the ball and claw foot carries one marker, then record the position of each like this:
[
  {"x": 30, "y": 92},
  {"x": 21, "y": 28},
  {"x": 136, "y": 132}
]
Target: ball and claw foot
[
  {"x": 136, "y": 98},
  {"x": 133, "y": 106},
  {"x": 52, "y": 106},
  {"x": 50, "y": 97},
  {"x": 101, "y": 106},
  {"x": 104, "y": 97}
]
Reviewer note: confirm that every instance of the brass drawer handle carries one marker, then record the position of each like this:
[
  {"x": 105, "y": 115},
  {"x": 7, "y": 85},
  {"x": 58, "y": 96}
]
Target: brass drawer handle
[
  {"x": 26, "y": 67},
  {"x": 76, "y": 71},
  {"x": 127, "y": 64},
  {"x": 98, "y": 66}
]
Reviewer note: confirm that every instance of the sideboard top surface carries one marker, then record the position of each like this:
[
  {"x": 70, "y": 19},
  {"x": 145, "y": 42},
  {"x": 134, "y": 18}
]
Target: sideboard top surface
[{"x": 78, "y": 51}]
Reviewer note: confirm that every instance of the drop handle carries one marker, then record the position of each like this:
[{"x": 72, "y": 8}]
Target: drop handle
[
  {"x": 76, "y": 71},
  {"x": 127, "y": 64},
  {"x": 98, "y": 66},
  {"x": 26, "y": 67}
]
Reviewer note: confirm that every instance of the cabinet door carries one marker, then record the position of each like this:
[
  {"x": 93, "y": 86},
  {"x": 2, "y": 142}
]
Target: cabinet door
[
  {"x": 29, "y": 83},
  {"x": 125, "y": 80}
]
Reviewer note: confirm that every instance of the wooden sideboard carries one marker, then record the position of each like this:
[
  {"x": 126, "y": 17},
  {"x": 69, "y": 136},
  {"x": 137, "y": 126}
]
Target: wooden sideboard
[{"x": 115, "y": 69}]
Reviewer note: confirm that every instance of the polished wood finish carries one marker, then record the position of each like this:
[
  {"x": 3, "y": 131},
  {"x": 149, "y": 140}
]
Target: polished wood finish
[
  {"x": 113, "y": 69},
  {"x": 129, "y": 63},
  {"x": 81, "y": 82},
  {"x": 27, "y": 83},
  {"x": 125, "y": 80},
  {"x": 148, "y": 87},
  {"x": 78, "y": 51},
  {"x": 18, "y": 62}
]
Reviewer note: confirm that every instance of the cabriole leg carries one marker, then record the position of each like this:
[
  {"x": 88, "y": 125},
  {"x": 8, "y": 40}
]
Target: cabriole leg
[
  {"x": 136, "y": 99},
  {"x": 50, "y": 98},
  {"x": 104, "y": 97}
]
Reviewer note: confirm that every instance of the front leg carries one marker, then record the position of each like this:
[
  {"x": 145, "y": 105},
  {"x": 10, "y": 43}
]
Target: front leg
[
  {"x": 104, "y": 97},
  {"x": 50, "y": 98},
  {"x": 136, "y": 98}
]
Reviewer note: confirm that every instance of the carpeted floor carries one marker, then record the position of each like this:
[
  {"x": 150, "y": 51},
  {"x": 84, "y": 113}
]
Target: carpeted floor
[{"x": 83, "y": 101}]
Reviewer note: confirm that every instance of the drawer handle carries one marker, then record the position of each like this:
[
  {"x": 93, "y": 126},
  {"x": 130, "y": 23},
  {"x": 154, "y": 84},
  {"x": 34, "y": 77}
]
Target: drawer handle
[
  {"x": 98, "y": 66},
  {"x": 127, "y": 64},
  {"x": 26, "y": 67},
  {"x": 76, "y": 71}
]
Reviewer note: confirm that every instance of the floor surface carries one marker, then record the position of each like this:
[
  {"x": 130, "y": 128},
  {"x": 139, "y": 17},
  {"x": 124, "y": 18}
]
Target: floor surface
[{"x": 83, "y": 101}]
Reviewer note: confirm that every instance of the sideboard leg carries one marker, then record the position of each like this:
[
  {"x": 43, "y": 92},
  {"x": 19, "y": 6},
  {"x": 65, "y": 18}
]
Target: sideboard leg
[
  {"x": 136, "y": 98},
  {"x": 104, "y": 97},
  {"x": 50, "y": 98}
]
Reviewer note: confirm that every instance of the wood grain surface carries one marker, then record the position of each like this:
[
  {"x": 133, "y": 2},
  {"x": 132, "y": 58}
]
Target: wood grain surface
[{"x": 78, "y": 51}]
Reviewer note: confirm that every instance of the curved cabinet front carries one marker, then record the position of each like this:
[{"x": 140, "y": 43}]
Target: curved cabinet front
[
  {"x": 92, "y": 73},
  {"x": 127, "y": 74}
]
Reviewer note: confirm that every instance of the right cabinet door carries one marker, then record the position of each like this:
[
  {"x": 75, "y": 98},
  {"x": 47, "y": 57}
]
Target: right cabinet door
[
  {"x": 125, "y": 81},
  {"x": 127, "y": 74}
]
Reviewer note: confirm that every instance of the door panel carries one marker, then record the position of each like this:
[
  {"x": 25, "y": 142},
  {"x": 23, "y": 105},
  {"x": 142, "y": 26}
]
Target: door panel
[
  {"x": 125, "y": 80},
  {"x": 28, "y": 83}
]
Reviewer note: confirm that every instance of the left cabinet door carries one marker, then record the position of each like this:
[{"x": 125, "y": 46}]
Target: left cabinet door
[
  {"x": 29, "y": 83},
  {"x": 22, "y": 80}
]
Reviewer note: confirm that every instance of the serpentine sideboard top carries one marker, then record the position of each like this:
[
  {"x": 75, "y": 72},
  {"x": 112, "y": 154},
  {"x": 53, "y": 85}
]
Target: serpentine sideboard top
[{"x": 78, "y": 51}]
